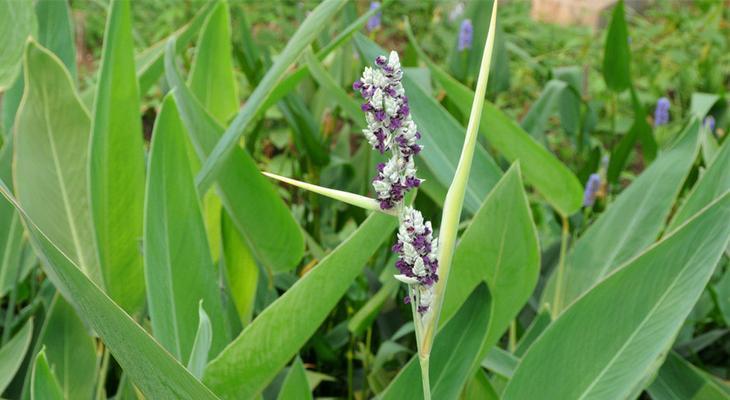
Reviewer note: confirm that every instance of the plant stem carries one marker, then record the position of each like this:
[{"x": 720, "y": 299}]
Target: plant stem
[
  {"x": 561, "y": 268},
  {"x": 424, "y": 377},
  {"x": 102, "y": 375}
]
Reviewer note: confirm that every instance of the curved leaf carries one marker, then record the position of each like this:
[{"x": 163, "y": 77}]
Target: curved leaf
[
  {"x": 680, "y": 380},
  {"x": 117, "y": 164},
  {"x": 155, "y": 372},
  {"x": 51, "y": 158},
  {"x": 201, "y": 346},
  {"x": 11, "y": 230},
  {"x": 602, "y": 345},
  {"x": 295, "y": 386},
  {"x": 179, "y": 270},
  {"x": 251, "y": 361},
  {"x": 13, "y": 353},
  {"x": 17, "y": 22},
  {"x": 630, "y": 224},
  {"x": 44, "y": 385},
  {"x": 211, "y": 75},
  {"x": 616, "y": 55},
  {"x": 246, "y": 194},
  {"x": 70, "y": 350}
]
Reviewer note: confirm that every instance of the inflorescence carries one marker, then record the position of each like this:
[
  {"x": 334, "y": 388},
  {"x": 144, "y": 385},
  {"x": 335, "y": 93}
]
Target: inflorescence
[{"x": 390, "y": 128}]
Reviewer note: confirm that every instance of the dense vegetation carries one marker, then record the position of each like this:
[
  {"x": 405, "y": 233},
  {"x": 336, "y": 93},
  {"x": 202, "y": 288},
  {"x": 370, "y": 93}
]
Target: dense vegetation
[{"x": 572, "y": 223}]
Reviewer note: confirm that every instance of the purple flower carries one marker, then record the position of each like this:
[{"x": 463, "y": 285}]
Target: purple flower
[
  {"x": 466, "y": 35},
  {"x": 592, "y": 186},
  {"x": 374, "y": 20},
  {"x": 709, "y": 123},
  {"x": 390, "y": 128},
  {"x": 417, "y": 263},
  {"x": 661, "y": 112}
]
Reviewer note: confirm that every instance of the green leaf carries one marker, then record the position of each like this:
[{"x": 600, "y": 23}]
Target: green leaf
[
  {"x": 616, "y": 55},
  {"x": 11, "y": 229},
  {"x": 155, "y": 372},
  {"x": 13, "y": 353},
  {"x": 500, "y": 247},
  {"x": 453, "y": 356},
  {"x": 543, "y": 170},
  {"x": 242, "y": 273},
  {"x": 701, "y": 103},
  {"x": 51, "y": 158},
  {"x": 632, "y": 222},
  {"x": 252, "y": 360},
  {"x": 366, "y": 315},
  {"x": 44, "y": 385},
  {"x": 178, "y": 268},
  {"x": 641, "y": 306},
  {"x": 442, "y": 137},
  {"x": 117, "y": 164},
  {"x": 501, "y": 362},
  {"x": 306, "y": 33},
  {"x": 680, "y": 380},
  {"x": 715, "y": 181},
  {"x": 246, "y": 194},
  {"x": 211, "y": 75},
  {"x": 350, "y": 107},
  {"x": 55, "y": 32},
  {"x": 546, "y": 104},
  {"x": 70, "y": 350},
  {"x": 479, "y": 387},
  {"x": 641, "y": 131},
  {"x": 17, "y": 22},
  {"x": 201, "y": 346},
  {"x": 295, "y": 386}
]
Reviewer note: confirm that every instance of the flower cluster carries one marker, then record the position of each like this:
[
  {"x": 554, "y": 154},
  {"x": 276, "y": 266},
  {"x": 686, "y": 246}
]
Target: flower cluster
[
  {"x": 390, "y": 128},
  {"x": 661, "y": 112},
  {"x": 466, "y": 35},
  {"x": 592, "y": 187},
  {"x": 417, "y": 262}
]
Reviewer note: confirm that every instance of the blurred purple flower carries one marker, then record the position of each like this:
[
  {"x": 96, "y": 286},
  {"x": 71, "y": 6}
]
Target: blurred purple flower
[
  {"x": 374, "y": 21},
  {"x": 661, "y": 113},
  {"x": 592, "y": 186},
  {"x": 709, "y": 123},
  {"x": 466, "y": 35}
]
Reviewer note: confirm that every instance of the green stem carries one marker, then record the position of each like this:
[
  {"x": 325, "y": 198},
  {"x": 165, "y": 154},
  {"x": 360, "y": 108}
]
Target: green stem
[
  {"x": 561, "y": 269},
  {"x": 424, "y": 377},
  {"x": 102, "y": 375}
]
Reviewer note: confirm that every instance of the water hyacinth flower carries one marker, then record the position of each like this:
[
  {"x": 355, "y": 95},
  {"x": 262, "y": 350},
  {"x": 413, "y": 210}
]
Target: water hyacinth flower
[
  {"x": 661, "y": 112},
  {"x": 466, "y": 35},
  {"x": 592, "y": 187},
  {"x": 374, "y": 21}
]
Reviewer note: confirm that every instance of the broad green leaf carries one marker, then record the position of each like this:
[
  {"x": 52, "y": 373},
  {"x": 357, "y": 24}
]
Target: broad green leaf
[
  {"x": 600, "y": 347},
  {"x": 631, "y": 223},
  {"x": 44, "y": 385},
  {"x": 616, "y": 54},
  {"x": 11, "y": 229},
  {"x": 543, "y": 170},
  {"x": 13, "y": 353},
  {"x": 70, "y": 350},
  {"x": 242, "y": 273},
  {"x": 17, "y": 22},
  {"x": 211, "y": 75},
  {"x": 538, "y": 325},
  {"x": 51, "y": 158},
  {"x": 201, "y": 346},
  {"x": 246, "y": 194},
  {"x": 306, "y": 33},
  {"x": 155, "y": 372},
  {"x": 178, "y": 268},
  {"x": 680, "y": 380},
  {"x": 117, "y": 164},
  {"x": 500, "y": 247},
  {"x": 701, "y": 103},
  {"x": 442, "y": 137},
  {"x": 295, "y": 386},
  {"x": 715, "y": 181},
  {"x": 453, "y": 355},
  {"x": 251, "y": 361},
  {"x": 55, "y": 32}
]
